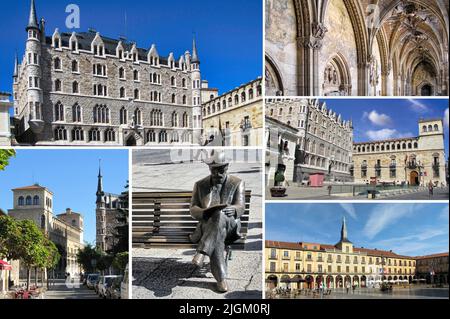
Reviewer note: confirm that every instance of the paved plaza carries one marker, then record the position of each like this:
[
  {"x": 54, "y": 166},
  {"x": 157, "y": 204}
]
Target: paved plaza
[
  {"x": 168, "y": 273},
  {"x": 369, "y": 293},
  {"x": 321, "y": 193},
  {"x": 59, "y": 290}
]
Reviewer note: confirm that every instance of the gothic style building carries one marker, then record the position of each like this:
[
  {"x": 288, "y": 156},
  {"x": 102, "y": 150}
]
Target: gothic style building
[
  {"x": 107, "y": 213},
  {"x": 87, "y": 89},
  {"x": 5, "y": 130},
  {"x": 234, "y": 118},
  {"x": 66, "y": 230},
  {"x": 414, "y": 161},
  {"x": 306, "y": 265},
  {"x": 325, "y": 140},
  {"x": 359, "y": 48}
]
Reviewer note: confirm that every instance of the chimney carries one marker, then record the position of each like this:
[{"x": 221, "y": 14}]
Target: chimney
[{"x": 68, "y": 211}]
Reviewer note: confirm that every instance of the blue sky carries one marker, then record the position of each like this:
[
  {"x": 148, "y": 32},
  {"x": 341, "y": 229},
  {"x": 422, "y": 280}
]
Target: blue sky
[
  {"x": 229, "y": 33},
  {"x": 70, "y": 174},
  {"x": 378, "y": 119},
  {"x": 409, "y": 229}
]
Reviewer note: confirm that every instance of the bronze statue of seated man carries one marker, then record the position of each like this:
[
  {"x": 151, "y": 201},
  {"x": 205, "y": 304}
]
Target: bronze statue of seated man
[{"x": 218, "y": 202}]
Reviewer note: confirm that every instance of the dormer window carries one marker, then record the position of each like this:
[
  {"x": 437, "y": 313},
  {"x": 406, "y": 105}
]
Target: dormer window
[
  {"x": 73, "y": 45},
  {"x": 120, "y": 54}
]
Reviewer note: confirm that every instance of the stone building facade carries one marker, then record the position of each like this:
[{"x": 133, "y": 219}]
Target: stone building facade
[
  {"x": 87, "y": 89},
  {"x": 66, "y": 230},
  {"x": 306, "y": 265},
  {"x": 324, "y": 139},
  {"x": 356, "y": 48},
  {"x": 234, "y": 118},
  {"x": 107, "y": 213},
  {"x": 433, "y": 268},
  {"x": 5, "y": 129},
  {"x": 414, "y": 161}
]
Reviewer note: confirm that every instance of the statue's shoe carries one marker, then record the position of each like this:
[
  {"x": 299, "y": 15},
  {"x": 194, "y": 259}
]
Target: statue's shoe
[
  {"x": 222, "y": 286},
  {"x": 198, "y": 260}
]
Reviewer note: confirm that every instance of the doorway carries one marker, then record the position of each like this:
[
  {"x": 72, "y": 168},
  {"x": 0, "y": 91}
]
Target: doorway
[
  {"x": 426, "y": 90},
  {"x": 131, "y": 141},
  {"x": 414, "y": 179}
]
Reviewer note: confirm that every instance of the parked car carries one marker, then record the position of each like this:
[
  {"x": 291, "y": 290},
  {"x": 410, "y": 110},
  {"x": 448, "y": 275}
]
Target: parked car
[
  {"x": 124, "y": 285},
  {"x": 104, "y": 283},
  {"x": 92, "y": 280},
  {"x": 113, "y": 290}
]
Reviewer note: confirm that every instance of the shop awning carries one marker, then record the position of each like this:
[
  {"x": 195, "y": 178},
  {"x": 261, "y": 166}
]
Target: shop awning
[{"x": 5, "y": 266}]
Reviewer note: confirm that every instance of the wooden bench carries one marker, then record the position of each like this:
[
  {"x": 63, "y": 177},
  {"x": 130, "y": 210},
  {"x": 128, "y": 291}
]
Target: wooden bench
[{"x": 163, "y": 220}]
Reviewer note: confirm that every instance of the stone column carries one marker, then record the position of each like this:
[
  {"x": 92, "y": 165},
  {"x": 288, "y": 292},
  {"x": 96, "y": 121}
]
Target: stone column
[
  {"x": 386, "y": 87},
  {"x": 308, "y": 60},
  {"x": 363, "y": 78}
]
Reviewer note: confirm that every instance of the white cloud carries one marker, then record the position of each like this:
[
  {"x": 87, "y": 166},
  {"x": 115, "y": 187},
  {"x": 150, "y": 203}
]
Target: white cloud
[
  {"x": 418, "y": 106},
  {"x": 387, "y": 215},
  {"x": 378, "y": 119},
  {"x": 446, "y": 117},
  {"x": 350, "y": 209},
  {"x": 424, "y": 235},
  {"x": 385, "y": 134}
]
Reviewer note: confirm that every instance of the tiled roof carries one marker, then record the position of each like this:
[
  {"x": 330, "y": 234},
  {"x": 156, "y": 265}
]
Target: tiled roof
[
  {"x": 27, "y": 188},
  {"x": 433, "y": 256},
  {"x": 301, "y": 246}
]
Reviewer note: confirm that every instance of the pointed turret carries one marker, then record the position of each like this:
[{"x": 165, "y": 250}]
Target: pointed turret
[
  {"x": 16, "y": 67},
  {"x": 194, "y": 58},
  {"x": 100, "y": 194},
  {"x": 32, "y": 20}
]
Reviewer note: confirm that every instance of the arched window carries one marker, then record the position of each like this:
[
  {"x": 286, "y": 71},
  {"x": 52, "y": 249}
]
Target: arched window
[
  {"x": 21, "y": 201},
  {"x": 185, "y": 122},
  {"x": 136, "y": 75},
  {"x": 94, "y": 135},
  {"x": 123, "y": 116},
  {"x": 163, "y": 136},
  {"x": 57, "y": 85},
  {"x": 121, "y": 73},
  {"x": 59, "y": 112},
  {"x": 76, "y": 113},
  {"x": 174, "y": 101},
  {"x": 250, "y": 94},
  {"x": 172, "y": 81},
  {"x": 36, "y": 200},
  {"x": 183, "y": 81},
  {"x": 175, "y": 119},
  {"x": 136, "y": 94},
  {"x": 28, "y": 201},
  {"x": 151, "y": 136},
  {"x": 138, "y": 116},
  {"x": 60, "y": 133},
  {"x": 122, "y": 93},
  {"x": 430, "y": 128},
  {"x": 236, "y": 99},
  {"x": 243, "y": 97},
  {"x": 75, "y": 87},
  {"x": 77, "y": 134},
  {"x": 110, "y": 135},
  {"x": 224, "y": 104},
  {"x": 436, "y": 128},
  {"x": 230, "y": 101},
  {"x": 184, "y": 100},
  {"x": 416, "y": 145},
  {"x": 424, "y": 128},
  {"x": 57, "y": 64},
  {"x": 101, "y": 114}
]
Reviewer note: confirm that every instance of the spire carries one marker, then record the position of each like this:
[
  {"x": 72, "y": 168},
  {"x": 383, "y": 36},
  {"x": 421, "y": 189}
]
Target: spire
[
  {"x": 32, "y": 20},
  {"x": 344, "y": 231},
  {"x": 100, "y": 192},
  {"x": 16, "y": 66},
  {"x": 194, "y": 52}
]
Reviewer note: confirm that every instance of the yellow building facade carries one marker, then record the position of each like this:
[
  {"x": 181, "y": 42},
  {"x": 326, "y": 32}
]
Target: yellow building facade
[
  {"x": 307, "y": 265},
  {"x": 235, "y": 118}
]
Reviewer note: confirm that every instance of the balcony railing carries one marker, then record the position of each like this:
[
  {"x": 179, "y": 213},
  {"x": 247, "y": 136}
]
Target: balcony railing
[
  {"x": 272, "y": 257},
  {"x": 320, "y": 260}
]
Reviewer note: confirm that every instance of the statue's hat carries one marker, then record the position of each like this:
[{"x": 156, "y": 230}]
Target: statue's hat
[{"x": 217, "y": 159}]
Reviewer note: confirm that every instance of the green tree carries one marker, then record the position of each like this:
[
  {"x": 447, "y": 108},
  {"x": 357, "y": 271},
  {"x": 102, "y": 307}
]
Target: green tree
[
  {"x": 120, "y": 261},
  {"x": 88, "y": 258},
  {"x": 10, "y": 234},
  {"x": 104, "y": 262},
  {"x": 5, "y": 155},
  {"x": 31, "y": 246}
]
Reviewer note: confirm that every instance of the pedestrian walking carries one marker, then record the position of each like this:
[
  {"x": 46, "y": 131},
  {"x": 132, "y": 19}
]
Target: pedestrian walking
[
  {"x": 347, "y": 286},
  {"x": 430, "y": 189}
]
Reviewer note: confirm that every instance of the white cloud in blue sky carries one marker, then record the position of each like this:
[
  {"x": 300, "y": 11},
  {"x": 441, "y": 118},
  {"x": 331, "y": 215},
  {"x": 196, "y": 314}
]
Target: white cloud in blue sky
[
  {"x": 446, "y": 117},
  {"x": 418, "y": 106},
  {"x": 378, "y": 119},
  {"x": 385, "y": 134}
]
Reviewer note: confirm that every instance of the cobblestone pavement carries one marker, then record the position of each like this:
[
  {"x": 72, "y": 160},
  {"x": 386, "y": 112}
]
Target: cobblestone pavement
[{"x": 169, "y": 274}]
